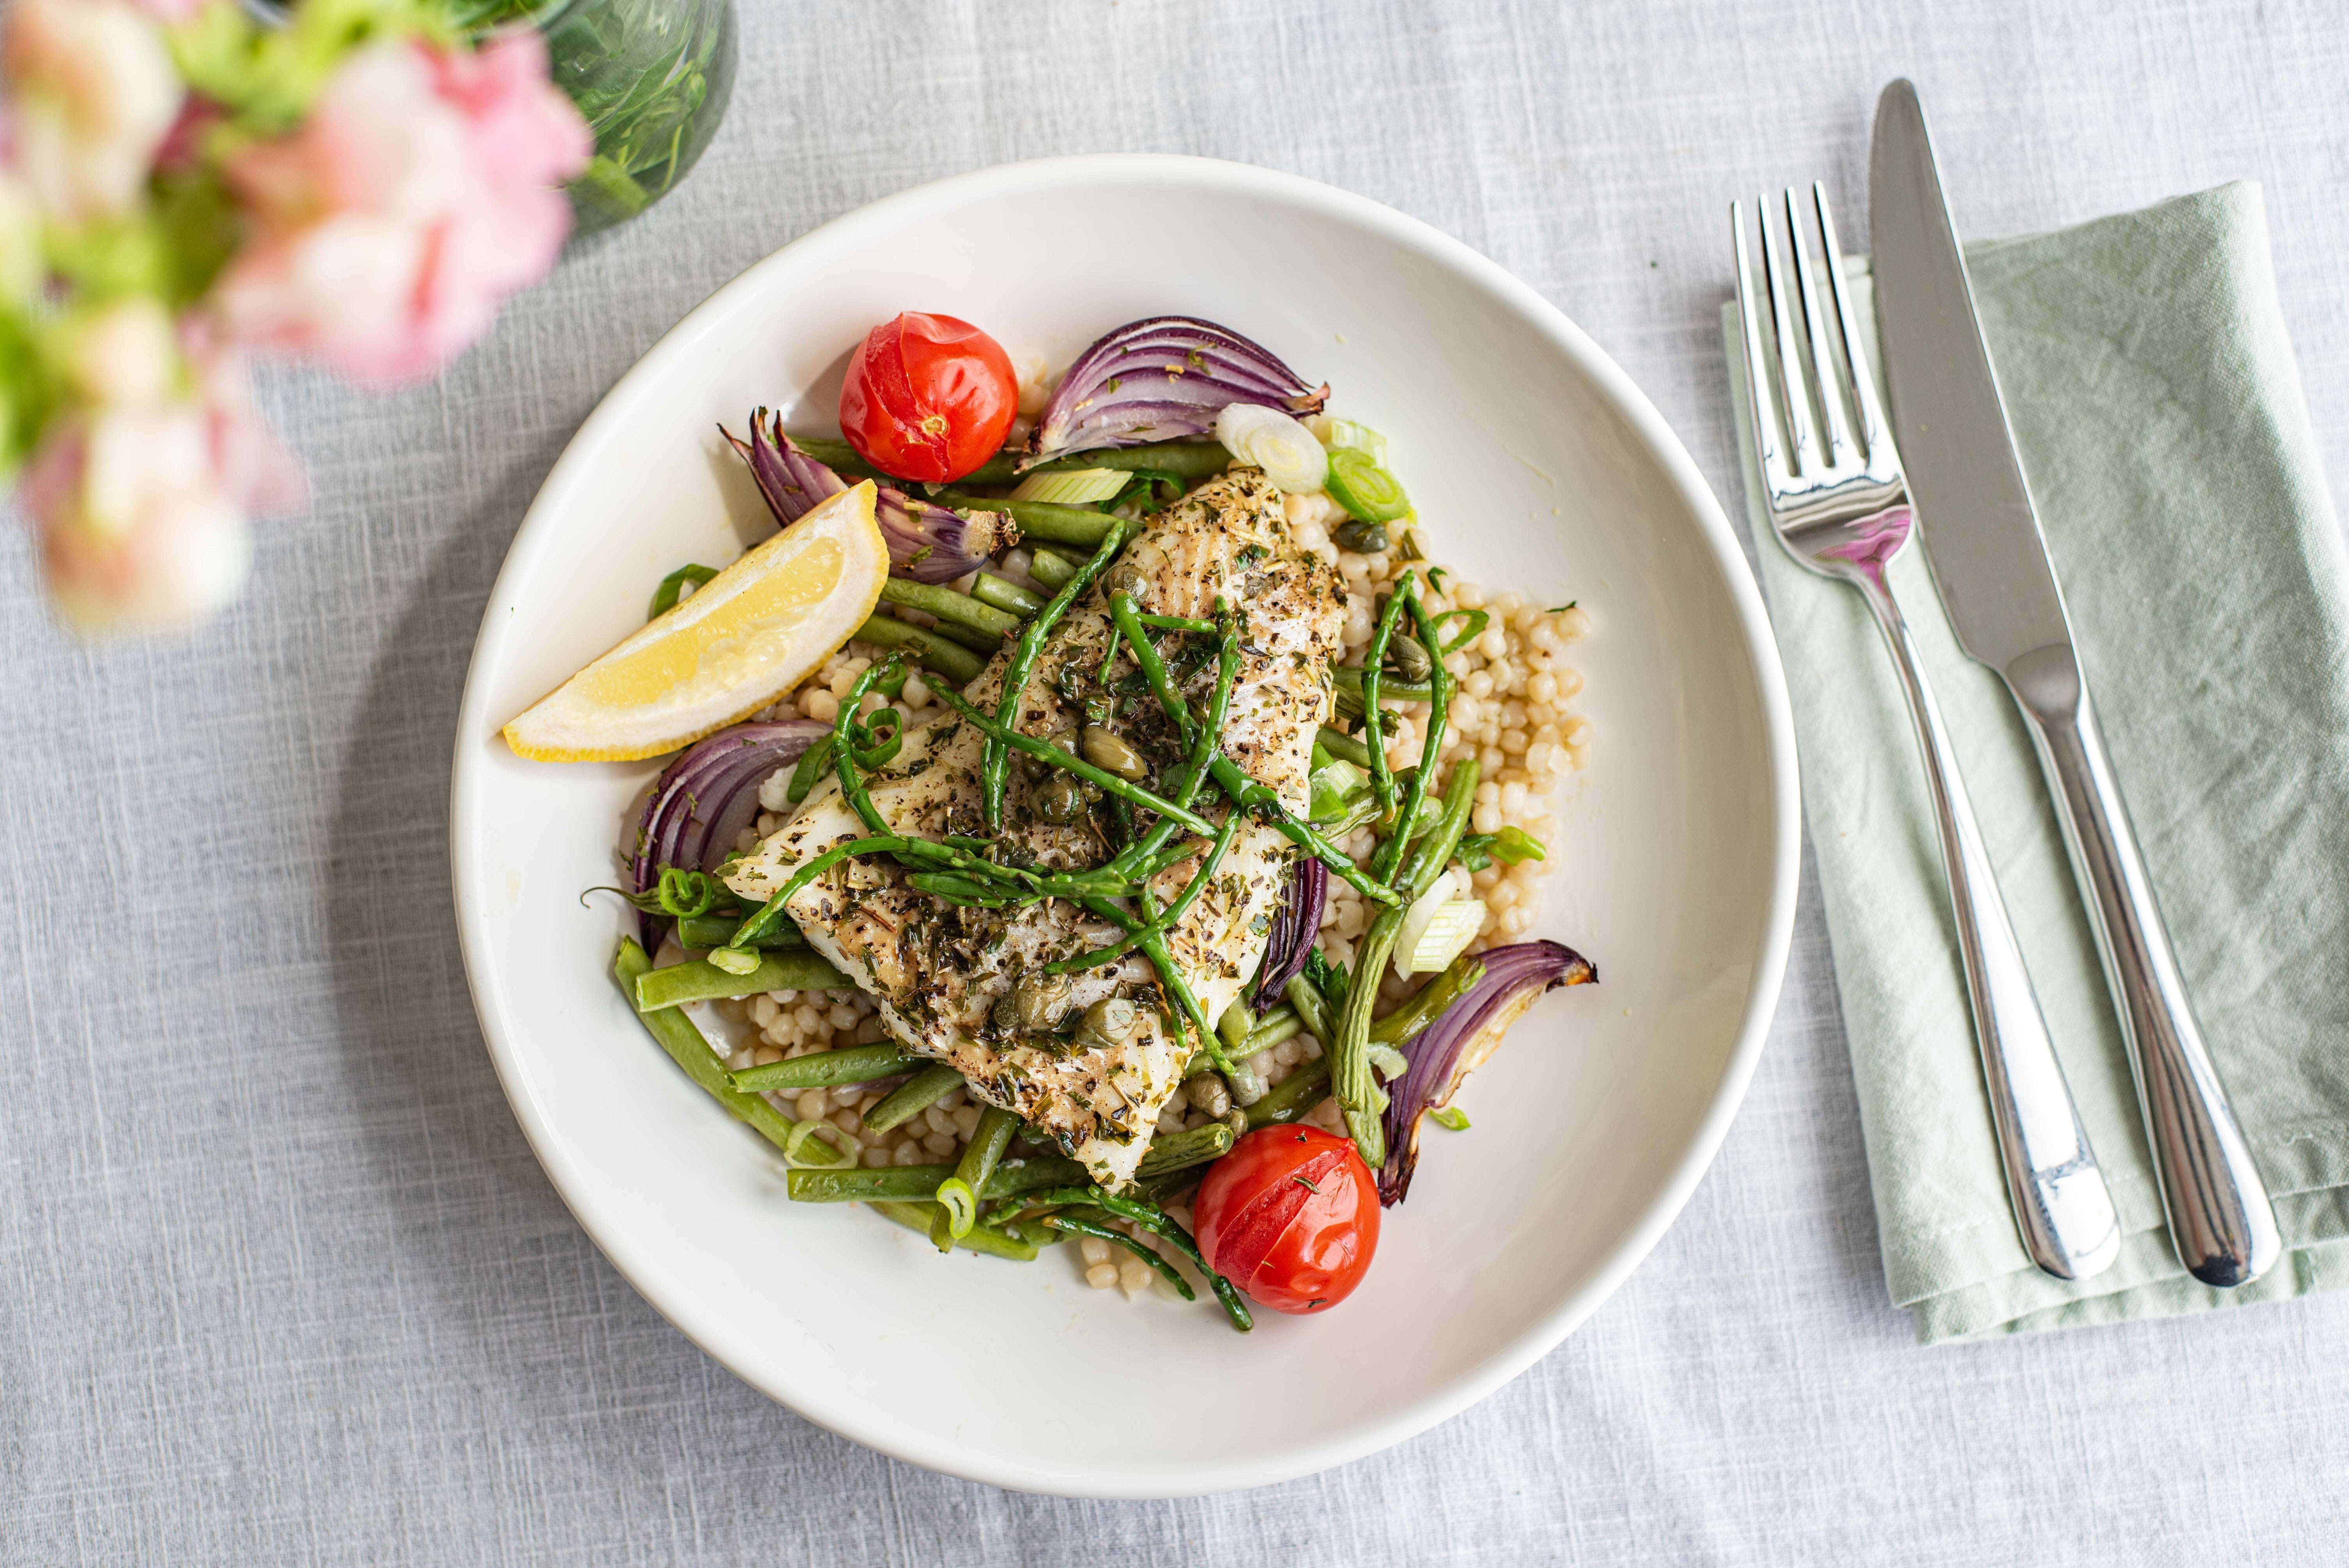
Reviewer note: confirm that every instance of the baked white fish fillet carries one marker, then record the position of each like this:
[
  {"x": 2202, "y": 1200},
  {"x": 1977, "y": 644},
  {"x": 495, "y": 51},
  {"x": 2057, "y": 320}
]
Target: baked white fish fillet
[{"x": 936, "y": 969}]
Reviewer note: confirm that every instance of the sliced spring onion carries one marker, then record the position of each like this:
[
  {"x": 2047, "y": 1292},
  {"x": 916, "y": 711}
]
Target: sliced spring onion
[
  {"x": 1451, "y": 1117},
  {"x": 1344, "y": 434},
  {"x": 1453, "y": 927},
  {"x": 804, "y": 1150},
  {"x": 1074, "y": 487},
  {"x": 1267, "y": 439},
  {"x": 1338, "y": 789},
  {"x": 1364, "y": 488},
  {"x": 677, "y": 587},
  {"x": 1438, "y": 925}
]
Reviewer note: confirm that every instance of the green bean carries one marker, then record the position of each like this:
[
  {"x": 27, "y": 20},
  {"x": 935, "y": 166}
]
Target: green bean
[
  {"x": 1045, "y": 751},
  {"x": 841, "y": 457},
  {"x": 1079, "y": 1222},
  {"x": 1374, "y": 735},
  {"x": 1166, "y": 1189},
  {"x": 957, "y": 1198},
  {"x": 1428, "y": 1004},
  {"x": 938, "y": 600},
  {"x": 983, "y": 1239},
  {"x": 1052, "y": 569},
  {"x": 824, "y": 1069},
  {"x": 995, "y": 766},
  {"x": 698, "y": 980},
  {"x": 1005, "y": 594},
  {"x": 1349, "y": 684},
  {"x": 1234, "y": 1027},
  {"x": 1254, "y": 797},
  {"x": 1179, "y": 1150},
  {"x": 1144, "y": 1212},
  {"x": 949, "y": 659},
  {"x": 1312, "y": 1009},
  {"x": 1434, "y": 851},
  {"x": 686, "y": 1046},
  {"x": 1281, "y": 1024},
  {"x": 1358, "y": 1092},
  {"x": 1344, "y": 747},
  {"x": 924, "y": 1089},
  {"x": 986, "y": 645},
  {"x": 1287, "y": 1100},
  {"x": 1041, "y": 519},
  {"x": 1012, "y": 1179},
  {"x": 1183, "y": 460},
  {"x": 1390, "y": 857},
  {"x": 707, "y": 931}
]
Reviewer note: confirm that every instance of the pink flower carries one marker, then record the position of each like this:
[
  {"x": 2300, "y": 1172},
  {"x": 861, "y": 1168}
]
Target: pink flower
[
  {"x": 140, "y": 496},
  {"x": 420, "y": 192},
  {"x": 93, "y": 93},
  {"x": 136, "y": 532}
]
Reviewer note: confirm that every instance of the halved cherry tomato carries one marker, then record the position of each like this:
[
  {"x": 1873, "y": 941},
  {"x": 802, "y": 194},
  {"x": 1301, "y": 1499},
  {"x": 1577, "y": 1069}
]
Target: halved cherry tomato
[
  {"x": 1290, "y": 1216},
  {"x": 927, "y": 397}
]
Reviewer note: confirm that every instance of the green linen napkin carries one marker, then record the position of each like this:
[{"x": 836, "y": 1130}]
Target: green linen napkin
[{"x": 2152, "y": 392}]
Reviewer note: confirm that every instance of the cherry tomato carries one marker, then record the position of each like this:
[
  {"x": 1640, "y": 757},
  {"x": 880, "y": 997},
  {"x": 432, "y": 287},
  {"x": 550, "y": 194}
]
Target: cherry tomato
[
  {"x": 1290, "y": 1216},
  {"x": 927, "y": 397}
]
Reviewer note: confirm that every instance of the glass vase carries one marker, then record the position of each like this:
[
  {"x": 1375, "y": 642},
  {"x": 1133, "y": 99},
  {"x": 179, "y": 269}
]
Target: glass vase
[{"x": 652, "y": 79}]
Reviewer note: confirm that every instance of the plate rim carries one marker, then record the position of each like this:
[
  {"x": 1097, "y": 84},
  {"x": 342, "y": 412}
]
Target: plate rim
[{"x": 1202, "y": 1477}]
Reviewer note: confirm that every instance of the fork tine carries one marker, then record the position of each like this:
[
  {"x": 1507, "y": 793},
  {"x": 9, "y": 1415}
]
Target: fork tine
[
  {"x": 1863, "y": 384},
  {"x": 1771, "y": 456},
  {"x": 1838, "y": 432},
  {"x": 1790, "y": 362}
]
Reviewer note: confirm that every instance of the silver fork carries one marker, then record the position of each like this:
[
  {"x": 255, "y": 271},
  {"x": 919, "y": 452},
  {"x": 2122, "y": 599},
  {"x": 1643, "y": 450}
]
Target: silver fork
[{"x": 1844, "y": 513}]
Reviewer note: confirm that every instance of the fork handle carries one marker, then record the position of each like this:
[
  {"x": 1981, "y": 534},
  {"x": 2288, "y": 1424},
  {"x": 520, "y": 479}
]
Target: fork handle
[
  {"x": 2063, "y": 1209},
  {"x": 2221, "y": 1219}
]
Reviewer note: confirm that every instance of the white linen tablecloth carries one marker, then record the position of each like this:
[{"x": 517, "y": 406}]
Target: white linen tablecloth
[{"x": 282, "y": 1282}]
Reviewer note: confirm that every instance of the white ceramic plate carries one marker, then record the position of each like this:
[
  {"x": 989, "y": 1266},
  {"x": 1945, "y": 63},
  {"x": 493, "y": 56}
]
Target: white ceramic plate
[{"x": 1536, "y": 465}]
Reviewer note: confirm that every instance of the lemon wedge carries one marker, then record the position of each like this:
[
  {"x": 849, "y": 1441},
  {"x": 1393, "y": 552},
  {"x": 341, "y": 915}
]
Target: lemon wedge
[{"x": 750, "y": 635}]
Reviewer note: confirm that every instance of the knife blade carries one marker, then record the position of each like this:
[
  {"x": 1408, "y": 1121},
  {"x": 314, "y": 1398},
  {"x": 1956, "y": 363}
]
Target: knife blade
[
  {"x": 1990, "y": 564},
  {"x": 1988, "y": 554}
]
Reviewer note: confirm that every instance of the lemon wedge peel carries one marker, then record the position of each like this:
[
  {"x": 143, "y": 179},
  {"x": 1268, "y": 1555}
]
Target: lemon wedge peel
[{"x": 744, "y": 638}]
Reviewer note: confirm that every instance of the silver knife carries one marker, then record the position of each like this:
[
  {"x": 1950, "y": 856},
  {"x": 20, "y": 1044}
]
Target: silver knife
[{"x": 1990, "y": 563}]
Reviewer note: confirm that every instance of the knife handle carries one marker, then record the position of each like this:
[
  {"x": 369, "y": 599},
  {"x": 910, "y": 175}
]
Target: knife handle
[
  {"x": 2063, "y": 1209},
  {"x": 2221, "y": 1219}
]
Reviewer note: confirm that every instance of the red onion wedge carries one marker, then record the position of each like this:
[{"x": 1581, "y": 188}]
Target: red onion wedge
[
  {"x": 1457, "y": 1042},
  {"x": 1294, "y": 930},
  {"x": 928, "y": 543},
  {"x": 710, "y": 794},
  {"x": 1165, "y": 379}
]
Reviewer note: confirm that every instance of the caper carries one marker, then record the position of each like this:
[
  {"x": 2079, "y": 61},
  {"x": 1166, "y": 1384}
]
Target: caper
[
  {"x": 1361, "y": 538},
  {"x": 1107, "y": 752},
  {"x": 1107, "y": 1025},
  {"x": 1410, "y": 660},
  {"x": 1004, "y": 1015},
  {"x": 1213, "y": 1098},
  {"x": 1060, "y": 798},
  {"x": 1133, "y": 569},
  {"x": 1037, "y": 1002}
]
